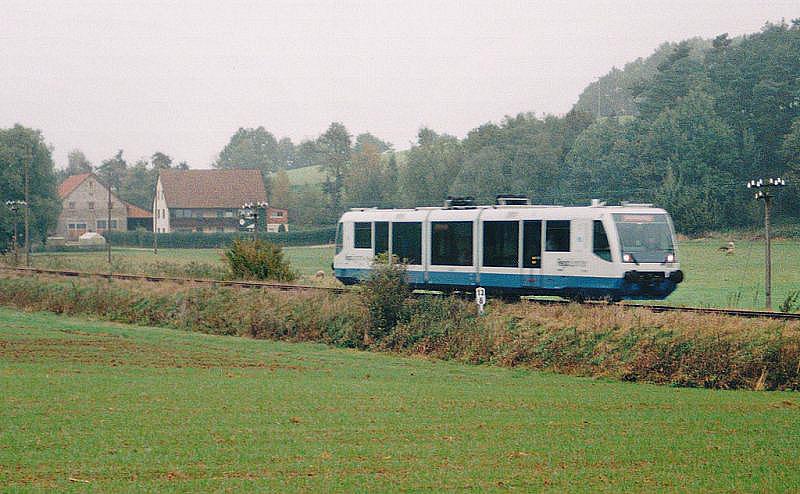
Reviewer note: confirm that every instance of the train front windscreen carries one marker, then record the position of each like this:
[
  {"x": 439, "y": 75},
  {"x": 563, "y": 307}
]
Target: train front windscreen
[{"x": 645, "y": 237}]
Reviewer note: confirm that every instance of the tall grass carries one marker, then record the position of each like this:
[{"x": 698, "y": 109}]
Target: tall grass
[{"x": 637, "y": 345}]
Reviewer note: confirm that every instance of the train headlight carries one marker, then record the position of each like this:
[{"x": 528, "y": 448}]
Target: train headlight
[
  {"x": 627, "y": 257},
  {"x": 670, "y": 257}
]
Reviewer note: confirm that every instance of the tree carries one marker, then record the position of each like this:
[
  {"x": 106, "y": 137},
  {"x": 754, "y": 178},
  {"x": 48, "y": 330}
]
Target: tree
[
  {"x": 334, "y": 156},
  {"x": 432, "y": 165},
  {"x": 77, "y": 163},
  {"x": 161, "y": 161},
  {"x": 286, "y": 153},
  {"x": 366, "y": 182},
  {"x": 280, "y": 195},
  {"x": 113, "y": 170},
  {"x": 22, "y": 147},
  {"x": 138, "y": 184},
  {"x": 251, "y": 149},
  {"x": 369, "y": 139}
]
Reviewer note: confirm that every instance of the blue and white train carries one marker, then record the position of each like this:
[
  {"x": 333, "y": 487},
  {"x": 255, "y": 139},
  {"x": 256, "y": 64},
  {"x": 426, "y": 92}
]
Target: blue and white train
[{"x": 515, "y": 248}]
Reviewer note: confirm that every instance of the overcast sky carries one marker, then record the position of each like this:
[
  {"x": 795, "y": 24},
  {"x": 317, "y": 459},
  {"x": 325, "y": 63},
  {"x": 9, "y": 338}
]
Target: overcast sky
[{"x": 181, "y": 77}]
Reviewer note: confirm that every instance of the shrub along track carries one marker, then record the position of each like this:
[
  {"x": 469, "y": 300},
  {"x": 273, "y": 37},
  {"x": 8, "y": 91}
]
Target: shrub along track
[{"x": 338, "y": 290}]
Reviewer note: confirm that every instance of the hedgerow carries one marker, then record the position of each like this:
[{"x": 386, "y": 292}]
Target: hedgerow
[
  {"x": 630, "y": 344},
  {"x": 196, "y": 240}
]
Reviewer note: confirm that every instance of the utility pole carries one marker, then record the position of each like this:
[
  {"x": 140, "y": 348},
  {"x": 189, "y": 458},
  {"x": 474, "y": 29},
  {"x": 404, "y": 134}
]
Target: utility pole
[
  {"x": 762, "y": 187},
  {"x": 27, "y": 214},
  {"x": 14, "y": 206},
  {"x": 108, "y": 224}
]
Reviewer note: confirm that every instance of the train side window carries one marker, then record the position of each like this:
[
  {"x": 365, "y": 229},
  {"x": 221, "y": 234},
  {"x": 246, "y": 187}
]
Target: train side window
[
  {"x": 451, "y": 243},
  {"x": 362, "y": 239},
  {"x": 557, "y": 239},
  {"x": 600, "y": 245},
  {"x": 501, "y": 244},
  {"x": 381, "y": 237},
  {"x": 532, "y": 244},
  {"x": 339, "y": 242},
  {"x": 407, "y": 242}
]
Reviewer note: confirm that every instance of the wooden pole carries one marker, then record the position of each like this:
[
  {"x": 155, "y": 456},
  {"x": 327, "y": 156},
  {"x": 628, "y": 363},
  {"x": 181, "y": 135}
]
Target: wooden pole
[
  {"x": 27, "y": 214},
  {"x": 768, "y": 276},
  {"x": 108, "y": 225}
]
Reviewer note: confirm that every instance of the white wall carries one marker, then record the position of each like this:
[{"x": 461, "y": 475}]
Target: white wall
[{"x": 160, "y": 211}]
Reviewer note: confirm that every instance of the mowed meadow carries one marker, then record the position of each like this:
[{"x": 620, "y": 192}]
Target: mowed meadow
[
  {"x": 109, "y": 407},
  {"x": 713, "y": 279}
]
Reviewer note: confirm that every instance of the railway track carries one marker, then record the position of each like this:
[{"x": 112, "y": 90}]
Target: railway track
[
  {"x": 293, "y": 287},
  {"x": 158, "y": 279}
]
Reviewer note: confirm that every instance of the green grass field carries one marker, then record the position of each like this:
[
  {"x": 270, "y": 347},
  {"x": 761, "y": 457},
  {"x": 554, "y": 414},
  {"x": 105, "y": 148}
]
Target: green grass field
[
  {"x": 308, "y": 175},
  {"x": 305, "y": 260},
  {"x": 127, "y": 408},
  {"x": 712, "y": 278}
]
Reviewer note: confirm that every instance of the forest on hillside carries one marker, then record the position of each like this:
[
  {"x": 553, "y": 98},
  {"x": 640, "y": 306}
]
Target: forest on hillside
[{"x": 684, "y": 128}]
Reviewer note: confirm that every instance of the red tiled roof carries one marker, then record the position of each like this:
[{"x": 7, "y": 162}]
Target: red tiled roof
[
  {"x": 71, "y": 183},
  {"x": 137, "y": 212},
  {"x": 196, "y": 189}
]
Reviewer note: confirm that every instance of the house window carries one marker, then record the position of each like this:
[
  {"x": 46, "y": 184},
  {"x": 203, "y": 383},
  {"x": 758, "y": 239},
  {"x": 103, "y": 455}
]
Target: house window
[
  {"x": 113, "y": 224},
  {"x": 220, "y": 213},
  {"x": 71, "y": 205},
  {"x": 557, "y": 239},
  {"x": 277, "y": 214},
  {"x": 229, "y": 214},
  {"x": 91, "y": 204},
  {"x": 101, "y": 224},
  {"x": 451, "y": 243}
]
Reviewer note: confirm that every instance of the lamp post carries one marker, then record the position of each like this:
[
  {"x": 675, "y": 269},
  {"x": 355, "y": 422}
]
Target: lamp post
[
  {"x": 250, "y": 211},
  {"x": 762, "y": 187},
  {"x": 14, "y": 206}
]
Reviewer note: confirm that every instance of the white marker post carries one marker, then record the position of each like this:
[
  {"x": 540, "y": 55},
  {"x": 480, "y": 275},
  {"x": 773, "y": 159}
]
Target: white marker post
[{"x": 480, "y": 298}]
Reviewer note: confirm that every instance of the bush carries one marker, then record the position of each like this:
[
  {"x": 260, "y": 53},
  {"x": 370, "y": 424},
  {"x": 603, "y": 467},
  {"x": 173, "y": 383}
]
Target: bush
[
  {"x": 195, "y": 240},
  {"x": 384, "y": 294},
  {"x": 257, "y": 259}
]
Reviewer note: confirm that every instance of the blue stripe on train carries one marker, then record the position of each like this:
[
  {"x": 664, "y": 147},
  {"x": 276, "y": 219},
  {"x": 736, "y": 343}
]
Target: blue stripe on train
[{"x": 587, "y": 285}]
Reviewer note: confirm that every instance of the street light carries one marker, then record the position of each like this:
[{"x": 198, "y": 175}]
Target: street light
[
  {"x": 250, "y": 212},
  {"x": 14, "y": 207},
  {"x": 762, "y": 187}
]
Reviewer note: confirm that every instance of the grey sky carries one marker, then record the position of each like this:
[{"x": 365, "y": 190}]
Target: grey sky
[{"x": 181, "y": 77}]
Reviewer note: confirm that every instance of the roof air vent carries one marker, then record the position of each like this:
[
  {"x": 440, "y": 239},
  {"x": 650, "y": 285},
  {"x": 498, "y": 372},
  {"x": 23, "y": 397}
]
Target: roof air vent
[
  {"x": 512, "y": 200},
  {"x": 459, "y": 202}
]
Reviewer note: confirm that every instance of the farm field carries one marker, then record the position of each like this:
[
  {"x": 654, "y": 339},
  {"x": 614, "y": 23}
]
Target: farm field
[
  {"x": 306, "y": 260},
  {"x": 128, "y": 408},
  {"x": 712, "y": 278}
]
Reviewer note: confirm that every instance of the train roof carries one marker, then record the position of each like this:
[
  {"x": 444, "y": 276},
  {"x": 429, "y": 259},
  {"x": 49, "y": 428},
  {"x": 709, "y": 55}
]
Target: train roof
[{"x": 495, "y": 212}]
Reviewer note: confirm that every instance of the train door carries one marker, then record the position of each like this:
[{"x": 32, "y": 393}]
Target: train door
[{"x": 531, "y": 253}]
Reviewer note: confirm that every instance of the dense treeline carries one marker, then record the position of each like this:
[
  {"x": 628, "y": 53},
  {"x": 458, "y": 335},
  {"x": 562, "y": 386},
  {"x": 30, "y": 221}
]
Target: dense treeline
[{"x": 684, "y": 128}]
